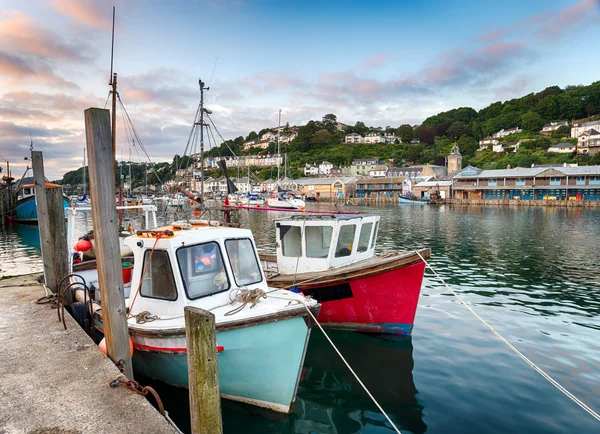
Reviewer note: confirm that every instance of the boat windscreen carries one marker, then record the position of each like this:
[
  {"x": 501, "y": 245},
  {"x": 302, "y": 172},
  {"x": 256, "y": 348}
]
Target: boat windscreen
[
  {"x": 243, "y": 261},
  {"x": 364, "y": 237},
  {"x": 158, "y": 280},
  {"x": 202, "y": 270},
  {"x": 291, "y": 240},
  {"x": 318, "y": 241},
  {"x": 345, "y": 240}
]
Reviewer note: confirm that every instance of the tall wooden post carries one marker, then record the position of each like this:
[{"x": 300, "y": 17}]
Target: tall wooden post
[
  {"x": 106, "y": 234},
  {"x": 41, "y": 204},
  {"x": 203, "y": 372}
]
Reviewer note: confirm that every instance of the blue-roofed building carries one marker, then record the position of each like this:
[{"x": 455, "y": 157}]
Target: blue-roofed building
[{"x": 533, "y": 183}]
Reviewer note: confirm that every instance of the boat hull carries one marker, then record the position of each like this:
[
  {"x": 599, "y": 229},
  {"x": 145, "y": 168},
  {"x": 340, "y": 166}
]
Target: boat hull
[
  {"x": 405, "y": 201},
  {"x": 259, "y": 365},
  {"x": 25, "y": 210},
  {"x": 378, "y": 296},
  {"x": 381, "y": 303}
]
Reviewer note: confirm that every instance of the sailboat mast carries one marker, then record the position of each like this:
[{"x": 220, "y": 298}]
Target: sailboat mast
[
  {"x": 202, "y": 89},
  {"x": 278, "y": 149}
]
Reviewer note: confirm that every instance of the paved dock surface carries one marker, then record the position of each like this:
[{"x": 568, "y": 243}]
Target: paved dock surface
[{"x": 57, "y": 381}]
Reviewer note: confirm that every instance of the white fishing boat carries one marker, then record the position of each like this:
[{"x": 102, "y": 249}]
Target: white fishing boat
[
  {"x": 285, "y": 200},
  {"x": 262, "y": 333}
]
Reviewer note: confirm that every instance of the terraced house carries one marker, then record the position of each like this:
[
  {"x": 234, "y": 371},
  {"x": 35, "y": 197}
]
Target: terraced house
[{"x": 534, "y": 183}]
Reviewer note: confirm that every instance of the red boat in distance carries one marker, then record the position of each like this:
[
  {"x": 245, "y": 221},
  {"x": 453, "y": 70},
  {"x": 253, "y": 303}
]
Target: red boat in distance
[{"x": 332, "y": 258}]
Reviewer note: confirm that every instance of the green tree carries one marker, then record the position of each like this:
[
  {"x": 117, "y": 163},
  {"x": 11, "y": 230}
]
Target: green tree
[
  {"x": 531, "y": 121},
  {"x": 561, "y": 132},
  {"x": 458, "y": 129},
  {"x": 320, "y": 137},
  {"x": 252, "y": 136},
  {"x": 406, "y": 133},
  {"x": 426, "y": 135},
  {"x": 360, "y": 128}
]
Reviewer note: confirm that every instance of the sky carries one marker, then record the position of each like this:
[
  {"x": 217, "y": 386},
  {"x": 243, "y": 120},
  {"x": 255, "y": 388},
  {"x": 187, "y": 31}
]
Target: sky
[{"x": 385, "y": 63}]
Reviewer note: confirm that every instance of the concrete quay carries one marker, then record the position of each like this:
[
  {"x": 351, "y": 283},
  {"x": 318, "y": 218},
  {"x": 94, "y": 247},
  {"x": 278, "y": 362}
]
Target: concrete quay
[{"x": 56, "y": 380}]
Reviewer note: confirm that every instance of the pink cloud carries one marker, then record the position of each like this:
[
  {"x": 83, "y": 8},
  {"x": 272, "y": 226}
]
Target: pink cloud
[
  {"x": 26, "y": 36},
  {"x": 93, "y": 13},
  {"x": 374, "y": 62},
  {"x": 584, "y": 12}
]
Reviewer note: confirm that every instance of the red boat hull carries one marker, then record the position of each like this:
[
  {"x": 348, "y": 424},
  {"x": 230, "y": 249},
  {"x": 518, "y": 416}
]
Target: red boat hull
[{"x": 380, "y": 303}]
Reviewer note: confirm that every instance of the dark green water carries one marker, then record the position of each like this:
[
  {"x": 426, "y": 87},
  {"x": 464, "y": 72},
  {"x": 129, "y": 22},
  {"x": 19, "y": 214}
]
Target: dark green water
[{"x": 533, "y": 274}]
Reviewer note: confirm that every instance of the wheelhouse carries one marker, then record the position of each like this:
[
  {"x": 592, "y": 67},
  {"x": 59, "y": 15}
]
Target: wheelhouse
[
  {"x": 202, "y": 263},
  {"x": 321, "y": 242}
]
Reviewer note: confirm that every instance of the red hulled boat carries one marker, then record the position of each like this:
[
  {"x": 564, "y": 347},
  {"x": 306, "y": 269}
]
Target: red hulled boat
[{"x": 332, "y": 259}]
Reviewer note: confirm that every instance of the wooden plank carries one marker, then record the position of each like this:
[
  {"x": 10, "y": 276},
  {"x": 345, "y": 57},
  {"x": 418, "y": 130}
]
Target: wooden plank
[
  {"x": 41, "y": 204},
  {"x": 59, "y": 258},
  {"x": 108, "y": 253},
  {"x": 203, "y": 372}
]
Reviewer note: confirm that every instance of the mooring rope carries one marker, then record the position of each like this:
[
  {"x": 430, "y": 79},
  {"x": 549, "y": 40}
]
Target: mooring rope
[
  {"x": 352, "y": 370},
  {"x": 539, "y": 370}
]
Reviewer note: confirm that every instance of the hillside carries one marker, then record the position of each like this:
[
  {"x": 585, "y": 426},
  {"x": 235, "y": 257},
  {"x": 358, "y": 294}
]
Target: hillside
[{"x": 320, "y": 140}]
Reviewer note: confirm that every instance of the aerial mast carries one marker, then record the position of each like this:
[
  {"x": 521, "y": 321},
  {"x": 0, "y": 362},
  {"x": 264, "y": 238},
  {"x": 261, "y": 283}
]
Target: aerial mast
[{"x": 278, "y": 149}]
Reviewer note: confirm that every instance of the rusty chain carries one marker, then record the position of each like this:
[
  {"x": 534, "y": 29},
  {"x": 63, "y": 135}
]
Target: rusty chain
[{"x": 137, "y": 388}]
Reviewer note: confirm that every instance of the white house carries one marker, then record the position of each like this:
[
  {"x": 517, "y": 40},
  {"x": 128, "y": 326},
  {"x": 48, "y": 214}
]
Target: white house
[
  {"x": 325, "y": 167},
  {"x": 374, "y": 138},
  {"x": 588, "y": 142},
  {"x": 553, "y": 126},
  {"x": 287, "y": 138},
  {"x": 379, "y": 171},
  {"x": 269, "y": 136},
  {"x": 508, "y": 132},
  {"x": 563, "y": 148},
  {"x": 390, "y": 138},
  {"x": 579, "y": 128},
  {"x": 502, "y": 147},
  {"x": 353, "y": 138},
  {"x": 244, "y": 185},
  {"x": 486, "y": 141},
  {"x": 311, "y": 169}
]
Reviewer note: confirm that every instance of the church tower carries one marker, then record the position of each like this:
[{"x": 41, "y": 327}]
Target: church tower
[{"x": 454, "y": 161}]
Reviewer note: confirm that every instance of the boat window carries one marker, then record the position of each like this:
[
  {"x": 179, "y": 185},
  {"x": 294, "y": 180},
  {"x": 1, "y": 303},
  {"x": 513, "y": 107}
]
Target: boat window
[
  {"x": 158, "y": 280},
  {"x": 345, "y": 240},
  {"x": 374, "y": 235},
  {"x": 202, "y": 270},
  {"x": 291, "y": 240},
  {"x": 242, "y": 258},
  {"x": 318, "y": 241},
  {"x": 364, "y": 237},
  {"x": 26, "y": 191}
]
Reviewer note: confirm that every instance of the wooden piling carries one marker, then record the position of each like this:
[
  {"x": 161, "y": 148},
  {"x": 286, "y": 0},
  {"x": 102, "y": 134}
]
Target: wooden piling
[
  {"x": 106, "y": 234},
  {"x": 51, "y": 223},
  {"x": 203, "y": 372}
]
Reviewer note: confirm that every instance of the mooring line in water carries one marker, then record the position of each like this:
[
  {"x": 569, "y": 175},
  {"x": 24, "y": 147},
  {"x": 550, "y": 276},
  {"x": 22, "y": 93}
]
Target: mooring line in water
[
  {"x": 539, "y": 370},
  {"x": 352, "y": 370}
]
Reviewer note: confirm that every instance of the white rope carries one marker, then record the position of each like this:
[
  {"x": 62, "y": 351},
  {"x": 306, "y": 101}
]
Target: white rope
[
  {"x": 352, "y": 371},
  {"x": 516, "y": 351}
]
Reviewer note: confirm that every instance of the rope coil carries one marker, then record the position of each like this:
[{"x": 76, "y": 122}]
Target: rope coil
[{"x": 539, "y": 370}]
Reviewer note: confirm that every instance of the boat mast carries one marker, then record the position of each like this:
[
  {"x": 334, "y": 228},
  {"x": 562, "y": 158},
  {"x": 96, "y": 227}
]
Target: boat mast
[
  {"x": 84, "y": 171},
  {"x": 278, "y": 149},
  {"x": 202, "y": 89},
  {"x": 113, "y": 83}
]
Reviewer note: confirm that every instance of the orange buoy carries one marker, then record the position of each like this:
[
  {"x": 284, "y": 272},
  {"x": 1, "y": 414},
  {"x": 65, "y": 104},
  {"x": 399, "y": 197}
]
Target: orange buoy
[
  {"x": 83, "y": 245},
  {"x": 102, "y": 346}
]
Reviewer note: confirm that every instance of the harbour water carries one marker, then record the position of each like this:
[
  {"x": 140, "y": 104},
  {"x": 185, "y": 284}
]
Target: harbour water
[{"x": 532, "y": 273}]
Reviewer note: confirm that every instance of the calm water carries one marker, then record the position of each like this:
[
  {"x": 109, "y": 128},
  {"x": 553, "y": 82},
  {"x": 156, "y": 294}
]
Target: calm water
[{"x": 534, "y": 274}]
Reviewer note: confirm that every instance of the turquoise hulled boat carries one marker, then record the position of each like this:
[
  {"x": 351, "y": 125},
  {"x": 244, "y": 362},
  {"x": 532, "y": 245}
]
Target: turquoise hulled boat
[
  {"x": 261, "y": 349},
  {"x": 24, "y": 209}
]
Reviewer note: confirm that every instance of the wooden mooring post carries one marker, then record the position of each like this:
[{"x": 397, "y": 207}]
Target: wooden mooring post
[
  {"x": 203, "y": 371},
  {"x": 106, "y": 234},
  {"x": 51, "y": 223}
]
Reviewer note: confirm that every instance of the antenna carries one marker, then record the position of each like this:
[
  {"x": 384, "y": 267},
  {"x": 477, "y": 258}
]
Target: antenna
[
  {"x": 112, "y": 49},
  {"x": 213, "y": 73},
  {"x": 31, "y": 140}
]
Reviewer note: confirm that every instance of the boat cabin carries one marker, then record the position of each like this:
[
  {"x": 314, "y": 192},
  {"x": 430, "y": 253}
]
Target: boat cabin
[
  {"x": 321, "y": 242},
  {"x": 201, "y": 263}
]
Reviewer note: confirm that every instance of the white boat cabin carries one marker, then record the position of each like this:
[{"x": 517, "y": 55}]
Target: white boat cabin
[
  {"x": 321, "y": 242},
  {"x": 198, "y": 266}
]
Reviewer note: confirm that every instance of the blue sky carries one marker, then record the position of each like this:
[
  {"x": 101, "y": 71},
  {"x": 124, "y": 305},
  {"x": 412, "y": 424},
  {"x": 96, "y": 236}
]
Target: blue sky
[{"x": 382, "y": 62}]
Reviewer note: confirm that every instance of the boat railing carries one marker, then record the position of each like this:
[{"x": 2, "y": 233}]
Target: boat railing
[{"x": 72, "y": 211}]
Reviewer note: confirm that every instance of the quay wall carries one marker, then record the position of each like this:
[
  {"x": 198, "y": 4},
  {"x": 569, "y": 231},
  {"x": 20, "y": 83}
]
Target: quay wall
[{"x": 527, "y": 203}]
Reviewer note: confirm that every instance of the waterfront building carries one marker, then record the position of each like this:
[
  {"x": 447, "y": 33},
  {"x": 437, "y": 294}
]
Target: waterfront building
[
  {"x": 327, "y": 188},
  {"x": 424, "y": 188},
  {"x": 548, "y": 129},
  {"x": 563, "y": 148},
  {"x": 379, "y": 188},
  {"x": 437, "y": 172},
  {"x": 535, "y": 183}
]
